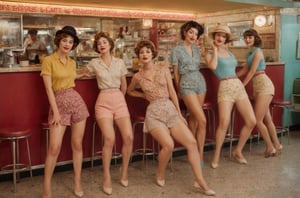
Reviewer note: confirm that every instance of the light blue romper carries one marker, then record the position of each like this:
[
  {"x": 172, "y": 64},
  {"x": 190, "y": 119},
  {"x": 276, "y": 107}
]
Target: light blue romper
[{"x": 191, "y": 80}]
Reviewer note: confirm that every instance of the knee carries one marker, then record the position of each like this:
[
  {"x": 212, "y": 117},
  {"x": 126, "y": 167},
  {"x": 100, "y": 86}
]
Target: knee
[
  {"x": 202, "y": 122},
  {"x": 54, "y": 150},
  {"x": 77, "y": 146},
  {"x": 251, "y": 123},
  {"x": 128, "y": 139},
  {"x": 168, "y": 147},
  {"x": 109, "y": 142}
]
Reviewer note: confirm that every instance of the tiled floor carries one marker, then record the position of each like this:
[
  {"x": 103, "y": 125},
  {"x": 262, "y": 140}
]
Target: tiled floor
[{"x": 276, "y": 177}]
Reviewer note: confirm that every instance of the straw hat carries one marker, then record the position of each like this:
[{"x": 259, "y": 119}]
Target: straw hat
[{"x": 222, "y": 28}]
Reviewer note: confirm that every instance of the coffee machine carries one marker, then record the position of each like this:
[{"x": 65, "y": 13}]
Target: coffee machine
[{"x": 9, "y": 56}]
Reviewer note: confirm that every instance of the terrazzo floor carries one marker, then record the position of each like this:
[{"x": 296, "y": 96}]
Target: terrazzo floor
[{"x": 275, "y": 177}]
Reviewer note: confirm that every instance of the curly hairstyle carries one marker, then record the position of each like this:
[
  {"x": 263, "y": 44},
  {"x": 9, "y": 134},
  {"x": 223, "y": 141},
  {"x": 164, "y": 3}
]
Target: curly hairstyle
[
  {"x": 106, "y": 36},
  {"x": 145, "y": 43},
  {"x": 257, "y": 39},
  {"x": 61, "y": 36},
  {"x": 188, "y": 25}
]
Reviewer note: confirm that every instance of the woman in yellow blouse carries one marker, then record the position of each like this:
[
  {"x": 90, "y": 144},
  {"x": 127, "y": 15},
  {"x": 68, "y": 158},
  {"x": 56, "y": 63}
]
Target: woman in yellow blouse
[{"x": 67, "y": 108}]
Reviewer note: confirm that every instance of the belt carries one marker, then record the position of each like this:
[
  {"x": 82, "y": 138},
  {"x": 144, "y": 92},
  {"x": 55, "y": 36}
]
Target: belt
[
  {"x": 232, "y": 77},
  {"x": 258, "y": 73}
]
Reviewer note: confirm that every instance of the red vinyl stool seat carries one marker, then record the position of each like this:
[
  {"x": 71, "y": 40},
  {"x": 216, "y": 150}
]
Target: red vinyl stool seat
[
  {"x": 283, "y": 104},
  {"x": 16, "y": 166}
]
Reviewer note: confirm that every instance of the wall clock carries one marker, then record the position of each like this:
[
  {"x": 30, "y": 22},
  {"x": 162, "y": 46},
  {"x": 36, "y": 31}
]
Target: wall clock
[{"x": 260, "y": 20}]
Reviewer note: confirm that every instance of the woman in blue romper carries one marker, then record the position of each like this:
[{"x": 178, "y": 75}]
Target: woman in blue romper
[
  {"x": 231, "y": 92},
  {"x": 263, "y": 91},
  {"x": 189, "y": 82}
]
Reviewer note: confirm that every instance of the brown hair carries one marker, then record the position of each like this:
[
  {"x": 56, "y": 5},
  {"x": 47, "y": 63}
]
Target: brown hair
[
  {"x": 188, "y": 25},
  {"x": 145, "y": 43},
  {"x": 61, "y": 36},
  {"x": 228, "y": 37},
  {"x": 106, "y": 36},
  {"x": 257, "y": 39}
]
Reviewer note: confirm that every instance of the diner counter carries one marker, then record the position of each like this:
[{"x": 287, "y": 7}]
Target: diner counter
[
  {"x": 24, "y": 104},
  {"x": 37, "y": 67}
]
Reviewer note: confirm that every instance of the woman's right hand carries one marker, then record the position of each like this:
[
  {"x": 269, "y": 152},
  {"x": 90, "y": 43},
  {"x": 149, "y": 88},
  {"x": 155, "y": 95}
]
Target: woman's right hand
[{"x": 56, "y": 119}]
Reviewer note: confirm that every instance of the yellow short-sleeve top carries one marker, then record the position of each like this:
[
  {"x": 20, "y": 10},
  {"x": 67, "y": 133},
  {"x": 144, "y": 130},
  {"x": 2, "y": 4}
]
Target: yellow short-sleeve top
[{"x": 63, "y": 75}]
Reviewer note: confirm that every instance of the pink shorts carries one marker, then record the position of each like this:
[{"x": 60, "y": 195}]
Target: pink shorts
[
  {"x": 111, "y": 104},
  {"x": 71, "y": 107}
]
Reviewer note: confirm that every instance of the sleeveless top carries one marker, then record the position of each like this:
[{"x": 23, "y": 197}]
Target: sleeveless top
[
  {"x": 226, "y": 66},
  {"x": 250, "y": 57}
]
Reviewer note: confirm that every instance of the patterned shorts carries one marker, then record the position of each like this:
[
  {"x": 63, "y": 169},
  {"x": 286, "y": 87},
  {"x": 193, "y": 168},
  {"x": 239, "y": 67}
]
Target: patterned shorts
[
  {"x": 192, "y": 83},
  {"x": 262, "y": 85},
  {"x": 161, "y": 113},
  {"x": 231, "y": 90},
  {"x": 71, "y": 107}
]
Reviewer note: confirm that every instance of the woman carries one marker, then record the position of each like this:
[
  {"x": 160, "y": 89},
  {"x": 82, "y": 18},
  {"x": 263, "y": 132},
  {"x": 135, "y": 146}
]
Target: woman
[
  {"x": 230, "y": 92},
  {"x": 163, "y": 117},
  {"x": 111, "y": 106},
  {"x": 189, "y": 82},
  {"x": 67, "y": 108},
  {"x": 263, "y": 91}
]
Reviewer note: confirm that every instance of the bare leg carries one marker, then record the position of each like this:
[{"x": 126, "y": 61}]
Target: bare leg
[
  {"x": 162, "y": 136},
  {"x": 272, "y": 130},
  {"x": 245, "y": 109},
  {"x": 76, "y": 142},
  {"x": 261, "y": 109},
  {"x": 194, "y": 105},
  {"x": 181, "y": 135},
  {"x": 107, "y": 129},
  {"x": 56, "y": 136},
  {"x": 124, "y": 125},
  {"x": 225, "y": 108}
]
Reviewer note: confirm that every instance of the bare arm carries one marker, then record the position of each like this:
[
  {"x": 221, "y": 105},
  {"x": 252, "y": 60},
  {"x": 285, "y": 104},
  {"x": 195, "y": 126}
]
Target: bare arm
[
  {"x": 123, "y": 84},
  {"x": 172, "y": 92},
  {"x": 51, "y": 98},
  {"x": 212, "y": 59},
  {"x": 132, "y": 89},
  {"x": 176, "y": 78},
  {"x": 257, "y": 58},
  {"x": 243, "y": 71}
]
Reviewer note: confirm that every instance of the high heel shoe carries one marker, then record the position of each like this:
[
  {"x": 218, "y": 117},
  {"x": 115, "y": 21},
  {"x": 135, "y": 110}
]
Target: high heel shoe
[
  {"x": 240, "y": 160},
  {"x": 271, "y": 153},
  {"x": 279, "y": 149},
  {"x": 107, "y": 190},
  {"x": 160, "y": 183},
  {"x": 214, "y": 165},
  {"x": 209, "y": 192},
  {"x": 78, "y": 194},
  {"x": 124, "y": 183}
]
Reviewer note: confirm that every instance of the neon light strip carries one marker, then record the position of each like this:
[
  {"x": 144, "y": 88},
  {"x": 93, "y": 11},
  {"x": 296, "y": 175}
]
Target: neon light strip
[{"x": 88, "y": 11}]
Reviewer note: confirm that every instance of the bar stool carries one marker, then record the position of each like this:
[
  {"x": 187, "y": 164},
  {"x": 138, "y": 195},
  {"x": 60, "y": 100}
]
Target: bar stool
[
  {"x": 208, "y": 108},
  {"x": 46, "y": 128},
  {"x": 115, "y": 154},
  {"x": 144, "y": 151},
  {"x": 16, "y": 166},
  {"x": 283, "y": 104}
]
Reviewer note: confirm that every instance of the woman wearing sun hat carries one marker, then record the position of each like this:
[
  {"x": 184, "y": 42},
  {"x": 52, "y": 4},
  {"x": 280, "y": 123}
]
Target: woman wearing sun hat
[
  {"x": 67, "y": 108},
  {"x": 231, "y": 92}
]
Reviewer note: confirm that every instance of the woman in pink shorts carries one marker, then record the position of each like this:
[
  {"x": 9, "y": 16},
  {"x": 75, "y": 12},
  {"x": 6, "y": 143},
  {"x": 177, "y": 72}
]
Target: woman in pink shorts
[
  {"x": 67, "y": 108},
  {"x": 163, "y": 117},
  {"x": 263, "y": 91},
  {"x": 111, "y": 106}
]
